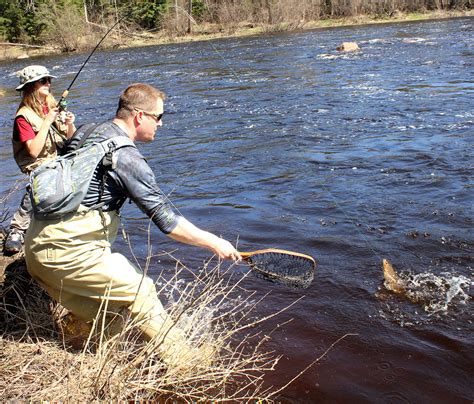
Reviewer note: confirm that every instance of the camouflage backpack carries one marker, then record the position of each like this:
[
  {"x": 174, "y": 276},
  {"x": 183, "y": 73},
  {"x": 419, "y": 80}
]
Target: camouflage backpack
[{"x": 58, "y": 187}]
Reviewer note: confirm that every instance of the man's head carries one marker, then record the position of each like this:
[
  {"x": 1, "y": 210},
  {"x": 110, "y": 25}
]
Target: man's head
[{"x": 142, "y": 105}]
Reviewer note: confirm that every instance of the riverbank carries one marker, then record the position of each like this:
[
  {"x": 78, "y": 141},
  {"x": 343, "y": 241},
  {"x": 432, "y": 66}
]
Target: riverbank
[{"x": 206, "y": 32}]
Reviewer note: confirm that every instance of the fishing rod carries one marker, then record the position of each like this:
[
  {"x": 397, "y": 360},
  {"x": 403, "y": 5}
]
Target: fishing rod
[{"x": 62, "y": 104}]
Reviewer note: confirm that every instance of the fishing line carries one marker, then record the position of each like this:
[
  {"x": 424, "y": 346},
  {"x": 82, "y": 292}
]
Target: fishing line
[
  {"x": 293, "y": 144},
  {"x": 234, "y": 73},
  {"x": 62, "y": 104},
  {"x": 362, "y": 235},
  {"x": 365, "y": 239},
  {"x": 190, "y": 17},
  {"x": 357, "y": 227},
  {"x": 226, "y": 63}
]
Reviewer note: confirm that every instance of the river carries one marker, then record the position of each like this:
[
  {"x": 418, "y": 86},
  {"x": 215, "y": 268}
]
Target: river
[{"x": 281, "y": 141}]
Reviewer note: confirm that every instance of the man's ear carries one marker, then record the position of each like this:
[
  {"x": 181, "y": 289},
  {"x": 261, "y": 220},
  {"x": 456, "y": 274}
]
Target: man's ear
[{"x": 137, "y": 119}]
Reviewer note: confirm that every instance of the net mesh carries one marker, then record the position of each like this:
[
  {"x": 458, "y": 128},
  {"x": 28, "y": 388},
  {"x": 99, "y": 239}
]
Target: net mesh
[{"x": 286, "y": 269}]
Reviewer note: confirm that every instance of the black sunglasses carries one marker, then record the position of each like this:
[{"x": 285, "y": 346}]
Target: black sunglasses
[
  {"x": 156, "y": 116},
  {"x": 44, "y": 80}
]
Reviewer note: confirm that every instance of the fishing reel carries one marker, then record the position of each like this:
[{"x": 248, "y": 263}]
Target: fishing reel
[{"x": 62, "y": 106}]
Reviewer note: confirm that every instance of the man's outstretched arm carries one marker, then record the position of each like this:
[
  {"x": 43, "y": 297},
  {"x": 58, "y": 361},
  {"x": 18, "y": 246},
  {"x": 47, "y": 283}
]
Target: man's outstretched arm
[{"x": 188, "y": 233}]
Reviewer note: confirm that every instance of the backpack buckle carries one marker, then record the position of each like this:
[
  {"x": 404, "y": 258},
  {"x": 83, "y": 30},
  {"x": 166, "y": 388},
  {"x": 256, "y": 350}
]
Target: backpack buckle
[{"x": 108, "y": 159}]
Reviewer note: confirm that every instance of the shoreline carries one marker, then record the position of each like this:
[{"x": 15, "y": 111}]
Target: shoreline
[{"x": 208, "y": 32}]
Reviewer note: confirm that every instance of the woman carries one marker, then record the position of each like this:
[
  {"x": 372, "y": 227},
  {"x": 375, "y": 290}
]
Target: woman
[{"x": 39, "y": 132}]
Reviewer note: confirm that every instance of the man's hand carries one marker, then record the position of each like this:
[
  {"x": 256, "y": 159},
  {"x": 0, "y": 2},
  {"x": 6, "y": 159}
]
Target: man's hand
[{"x": 226, "y": 250}]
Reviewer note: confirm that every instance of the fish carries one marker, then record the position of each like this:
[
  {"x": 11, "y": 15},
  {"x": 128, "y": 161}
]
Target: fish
[
  {"x": 391, "y": 280},
  {"x": 435, "y": 293}
]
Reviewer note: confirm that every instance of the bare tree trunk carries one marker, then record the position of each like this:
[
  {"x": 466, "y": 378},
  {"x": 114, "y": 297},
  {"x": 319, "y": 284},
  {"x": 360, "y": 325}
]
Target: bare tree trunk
[
  {"x": 176, "y": 15},
  {"x": 85, "y": 12},
  {"x": 328, "y": 7},
  {"x": 269, "y": 9},
  {"x": 30, "y": 5},
  {"x": 117, "y": 19},
  {"x": 190, "y": 12}
]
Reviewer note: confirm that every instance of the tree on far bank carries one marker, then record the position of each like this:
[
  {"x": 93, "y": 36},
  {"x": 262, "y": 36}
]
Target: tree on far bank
[{"x": 64, "y": 21}]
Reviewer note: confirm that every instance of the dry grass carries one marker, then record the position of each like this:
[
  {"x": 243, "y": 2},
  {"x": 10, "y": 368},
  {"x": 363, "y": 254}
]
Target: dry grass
[{"x": 39, "y": 361}]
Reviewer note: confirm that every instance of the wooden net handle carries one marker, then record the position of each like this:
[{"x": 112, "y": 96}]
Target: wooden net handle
[{"x": 246, "y": 255}]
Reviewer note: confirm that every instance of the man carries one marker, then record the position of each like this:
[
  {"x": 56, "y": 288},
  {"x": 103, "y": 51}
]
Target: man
[{"x": 71, "y": 257}]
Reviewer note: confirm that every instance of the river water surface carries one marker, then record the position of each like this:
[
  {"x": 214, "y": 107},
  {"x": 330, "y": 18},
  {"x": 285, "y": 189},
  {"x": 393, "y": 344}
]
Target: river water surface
[{"x": 280, "y": 141}]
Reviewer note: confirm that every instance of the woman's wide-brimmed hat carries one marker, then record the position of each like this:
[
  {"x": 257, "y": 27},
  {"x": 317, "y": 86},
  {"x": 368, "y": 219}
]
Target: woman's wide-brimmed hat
[{"x": 31, "y": 74}]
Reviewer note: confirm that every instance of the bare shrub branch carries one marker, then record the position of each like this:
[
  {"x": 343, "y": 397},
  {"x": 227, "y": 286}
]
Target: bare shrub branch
[{"x": 213, "y": 310}]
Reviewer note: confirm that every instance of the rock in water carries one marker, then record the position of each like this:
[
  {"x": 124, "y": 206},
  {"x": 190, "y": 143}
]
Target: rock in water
[{"x": 348, "y": 47}]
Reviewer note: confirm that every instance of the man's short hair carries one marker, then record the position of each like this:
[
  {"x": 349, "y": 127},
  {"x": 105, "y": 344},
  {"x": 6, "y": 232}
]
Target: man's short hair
[{"x": 139, "y": 95}]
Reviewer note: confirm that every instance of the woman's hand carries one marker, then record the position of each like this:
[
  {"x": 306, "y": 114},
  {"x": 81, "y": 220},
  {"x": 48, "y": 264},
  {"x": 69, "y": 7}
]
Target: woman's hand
[
  {"x": 70, "y": 118},
  {"x": 52, "y": 115}
]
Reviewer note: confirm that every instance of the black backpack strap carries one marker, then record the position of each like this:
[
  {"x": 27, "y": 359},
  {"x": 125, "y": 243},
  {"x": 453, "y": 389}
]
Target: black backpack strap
[
  {"x": 87, "y": 133},
  {"x": 77, "y": 141},
  {"x": 108, "y": 161}
]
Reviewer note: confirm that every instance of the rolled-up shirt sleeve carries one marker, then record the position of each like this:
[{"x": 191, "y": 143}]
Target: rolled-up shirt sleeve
[{"x": 139, "y": 183}]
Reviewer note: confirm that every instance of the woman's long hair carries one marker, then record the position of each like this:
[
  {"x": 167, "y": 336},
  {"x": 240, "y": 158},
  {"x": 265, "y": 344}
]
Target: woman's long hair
[{"x": 31, "y": 100}]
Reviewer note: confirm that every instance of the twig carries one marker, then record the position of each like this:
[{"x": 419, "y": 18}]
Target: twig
[{"x": 25, "y": 45}]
